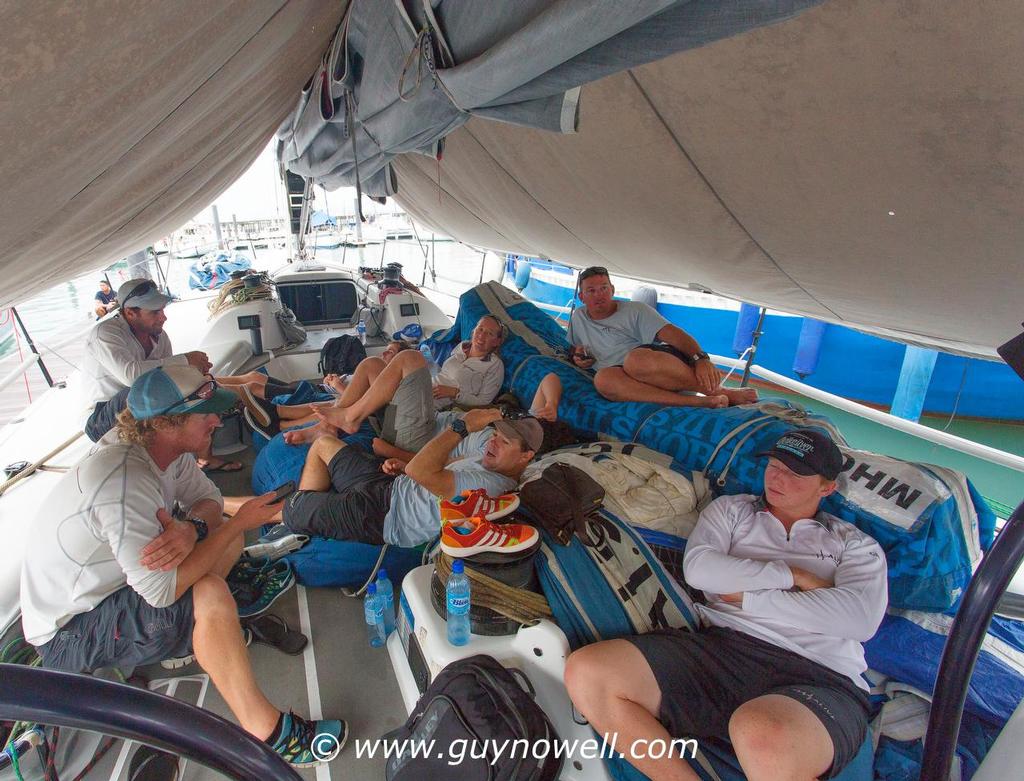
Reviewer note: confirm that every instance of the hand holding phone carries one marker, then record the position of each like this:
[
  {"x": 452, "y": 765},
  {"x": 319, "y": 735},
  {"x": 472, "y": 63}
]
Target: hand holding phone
[{"x": 283, "y": 492}]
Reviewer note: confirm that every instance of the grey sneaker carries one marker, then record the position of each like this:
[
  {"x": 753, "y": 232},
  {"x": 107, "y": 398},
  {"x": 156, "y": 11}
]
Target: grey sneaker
[{"x": 277, "y": 542}]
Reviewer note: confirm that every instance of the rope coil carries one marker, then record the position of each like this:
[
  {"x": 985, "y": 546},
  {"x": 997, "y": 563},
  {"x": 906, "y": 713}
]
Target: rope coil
[{"x": 517, "y": 604}]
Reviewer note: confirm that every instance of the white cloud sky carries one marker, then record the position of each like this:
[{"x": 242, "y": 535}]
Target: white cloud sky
[{"x": 259, "y": 194}]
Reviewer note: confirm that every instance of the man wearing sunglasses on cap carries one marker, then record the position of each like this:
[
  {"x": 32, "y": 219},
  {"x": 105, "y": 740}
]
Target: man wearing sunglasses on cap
[
  {"x": 114, "y": 580},
  {"x": 639, "y": 355},
  {"x": 124, "y": 347}
]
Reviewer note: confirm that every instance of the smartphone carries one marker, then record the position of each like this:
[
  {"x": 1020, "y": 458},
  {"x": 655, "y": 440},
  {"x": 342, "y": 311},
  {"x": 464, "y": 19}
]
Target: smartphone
[{"x": 283, "y": 492}]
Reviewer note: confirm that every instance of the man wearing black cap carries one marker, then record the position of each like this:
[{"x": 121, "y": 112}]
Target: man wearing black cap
[
  {"x": 349, "y": 494},
  {"x": 776, "y": 667}
]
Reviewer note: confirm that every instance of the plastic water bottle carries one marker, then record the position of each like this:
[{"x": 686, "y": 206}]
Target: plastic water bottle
[
  {"x": 457, "y": 597},
  {"x": 431, "y": 363},
  {"x": 361, "y": 331},
  {"x": 373, "y": 612},
  {"x": 386, "y": 594}
]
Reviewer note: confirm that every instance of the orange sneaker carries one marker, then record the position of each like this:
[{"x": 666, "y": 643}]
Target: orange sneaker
[
  {"x": 469, "y": 536},
  {"x": 477, "y": 504}
]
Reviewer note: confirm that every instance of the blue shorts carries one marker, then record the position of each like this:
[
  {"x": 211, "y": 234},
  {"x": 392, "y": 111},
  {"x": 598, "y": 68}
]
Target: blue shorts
[
  {"x": 104, "y": 415},
  {"x": 122, "y": 631}
]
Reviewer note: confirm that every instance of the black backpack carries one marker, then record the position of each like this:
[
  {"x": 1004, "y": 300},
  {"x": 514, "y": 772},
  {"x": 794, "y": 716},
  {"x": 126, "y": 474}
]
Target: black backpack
[
  {"x": 559, "y": 501},
  {"x": 474, "y": 703},
  {"x": 341, "y": 355}
]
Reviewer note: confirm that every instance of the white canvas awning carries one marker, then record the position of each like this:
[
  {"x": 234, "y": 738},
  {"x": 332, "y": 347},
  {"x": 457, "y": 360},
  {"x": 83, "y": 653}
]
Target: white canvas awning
[{"x": 862, "y": 162}]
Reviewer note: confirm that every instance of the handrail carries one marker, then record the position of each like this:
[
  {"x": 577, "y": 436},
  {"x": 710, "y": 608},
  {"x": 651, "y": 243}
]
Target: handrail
[
  {"x": 959, "y": 444},
  {"x": 964, "y": 644},
  {"x": 83, "y": 702}
]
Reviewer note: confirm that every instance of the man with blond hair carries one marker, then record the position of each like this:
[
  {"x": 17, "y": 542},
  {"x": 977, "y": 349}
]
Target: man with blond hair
[{"x": 114, "y": 579}]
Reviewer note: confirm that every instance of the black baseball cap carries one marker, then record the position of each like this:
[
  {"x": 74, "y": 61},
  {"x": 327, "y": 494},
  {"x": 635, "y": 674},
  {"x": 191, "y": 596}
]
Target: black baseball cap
[{"x": 808, "y": 451}]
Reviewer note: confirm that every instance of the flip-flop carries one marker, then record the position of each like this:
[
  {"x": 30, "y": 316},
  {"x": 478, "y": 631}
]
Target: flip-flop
[
  {"x": 226, "y": 466},
  {"x": 274, "y": 631}
]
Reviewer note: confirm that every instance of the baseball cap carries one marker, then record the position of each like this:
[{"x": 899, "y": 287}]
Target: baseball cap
[
  {"x": 176, "y": 390},
  {"x": 526, "y": 431},
  {"x": 411, "y": 333},
  {"x": 143, "y": 294},
  {"x": 808, "y": 452}
]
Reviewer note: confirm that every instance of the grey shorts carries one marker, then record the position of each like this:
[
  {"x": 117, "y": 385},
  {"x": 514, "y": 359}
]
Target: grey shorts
[
  {"x": 411, "y": 417},
  {"x": 122, "y": 631}
]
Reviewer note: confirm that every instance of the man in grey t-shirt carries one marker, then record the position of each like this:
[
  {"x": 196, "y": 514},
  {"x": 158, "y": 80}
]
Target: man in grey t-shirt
[
  {"x": 639, "y": 355},
  {"x": 348, "y": 494}
]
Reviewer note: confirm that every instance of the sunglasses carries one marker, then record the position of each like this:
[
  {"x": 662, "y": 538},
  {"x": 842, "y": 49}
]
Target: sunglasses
[
  {"x": 202, "y": 393},
  {"x": 145, "y": 288},
  {"x": 593, "y": 271}
]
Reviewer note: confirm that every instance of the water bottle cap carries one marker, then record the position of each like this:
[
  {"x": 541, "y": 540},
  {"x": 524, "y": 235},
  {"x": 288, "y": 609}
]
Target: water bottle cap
[
  {"x": 371, "y": 589},
  {"x": 382, "y": 574},
  {"x": 458, "y": 567}
]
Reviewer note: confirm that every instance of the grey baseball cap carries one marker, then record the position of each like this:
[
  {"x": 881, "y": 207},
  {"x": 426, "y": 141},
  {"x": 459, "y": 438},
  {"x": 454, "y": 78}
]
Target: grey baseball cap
[{"x": 143, "y": 294}]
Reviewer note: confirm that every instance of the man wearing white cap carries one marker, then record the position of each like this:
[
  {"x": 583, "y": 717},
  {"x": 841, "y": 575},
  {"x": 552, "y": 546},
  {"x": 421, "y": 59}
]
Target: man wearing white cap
[
  {"x": 126, "y": 346},
  {"x": 113, "y": 580}
]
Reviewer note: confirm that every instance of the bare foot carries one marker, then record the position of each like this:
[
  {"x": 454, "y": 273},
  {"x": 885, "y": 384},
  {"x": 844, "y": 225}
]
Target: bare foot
[
  {"x": 739, "y": 395},
  {"x": 339, "y": 417},
  {"x": 548, "y": 412},
  {"x": 717, "y": 401},
  {"x": 301, "y": 436}
]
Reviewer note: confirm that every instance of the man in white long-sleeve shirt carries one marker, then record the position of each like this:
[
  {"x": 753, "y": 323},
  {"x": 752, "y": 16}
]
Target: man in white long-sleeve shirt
[
  {"x": 126, "y": 346},
  {"x": 113, "y": 580},
  {"x": 792, "y": 592}
]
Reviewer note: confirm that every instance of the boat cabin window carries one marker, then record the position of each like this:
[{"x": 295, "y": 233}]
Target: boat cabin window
[{"x": 321, "y": 302}]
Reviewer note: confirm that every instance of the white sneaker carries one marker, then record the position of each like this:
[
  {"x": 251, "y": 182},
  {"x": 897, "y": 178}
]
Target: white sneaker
[{"x": 276, "y": 543}]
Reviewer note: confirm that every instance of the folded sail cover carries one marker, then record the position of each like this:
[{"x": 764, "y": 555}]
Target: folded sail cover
[{"x": 400, "y": 77}]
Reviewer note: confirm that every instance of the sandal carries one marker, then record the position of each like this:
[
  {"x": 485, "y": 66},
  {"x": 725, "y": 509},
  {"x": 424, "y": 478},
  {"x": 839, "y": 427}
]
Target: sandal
[
  {"x": 274, "y": 631},
  {"x": 224, "y": 467}
]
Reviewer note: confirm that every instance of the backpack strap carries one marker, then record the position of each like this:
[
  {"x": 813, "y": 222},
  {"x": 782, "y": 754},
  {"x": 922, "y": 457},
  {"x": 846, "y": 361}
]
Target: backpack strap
[{"x": 579, "y": 520}]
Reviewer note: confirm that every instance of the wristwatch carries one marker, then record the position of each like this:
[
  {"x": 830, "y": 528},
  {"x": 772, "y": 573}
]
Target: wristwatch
[
  {"x": 201, "y": 528},
  {"x": 701, "y": 356},
  {"x": 459, "y": 427}
]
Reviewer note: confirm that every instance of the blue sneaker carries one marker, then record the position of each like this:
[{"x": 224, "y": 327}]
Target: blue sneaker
[
  {"x": 268, "y": 584},
  {"x": 304, "y": 743}
]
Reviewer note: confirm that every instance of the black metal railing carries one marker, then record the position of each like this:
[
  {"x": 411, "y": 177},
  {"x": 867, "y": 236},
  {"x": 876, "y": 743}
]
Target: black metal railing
[
  {"x": 964, "y": 644},
  {"x": 83, "y": 702}
]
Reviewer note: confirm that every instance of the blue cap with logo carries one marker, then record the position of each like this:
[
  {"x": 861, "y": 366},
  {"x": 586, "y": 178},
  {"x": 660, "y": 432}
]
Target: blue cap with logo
[
  {"x": 411, "y": 333},
  {"x": 176, "y": 390},
  {"x": 808, "y": 452}
]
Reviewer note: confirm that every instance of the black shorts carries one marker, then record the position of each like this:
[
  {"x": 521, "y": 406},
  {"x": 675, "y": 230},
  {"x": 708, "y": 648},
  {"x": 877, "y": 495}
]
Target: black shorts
[
  {"x": 122, "y": 631},
  {"x": 355, "y": 507},
  {"x": 705, "y": 676},
  {"x": 659, "y": 347}
]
